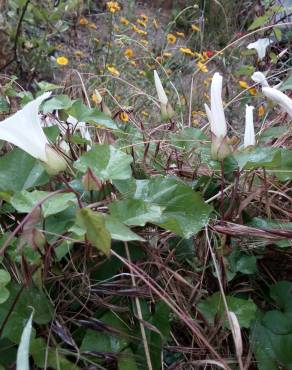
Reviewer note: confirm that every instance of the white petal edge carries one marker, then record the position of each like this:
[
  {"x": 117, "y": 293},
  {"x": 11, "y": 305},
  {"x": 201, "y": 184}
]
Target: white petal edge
[
  {"x": 280, "y": 98},
  {"x": 159, "y": 89},
  {"x": 218, "y": 124},
  {"x": 24, "y": 130},
  {"x": 249, "y": 135}
]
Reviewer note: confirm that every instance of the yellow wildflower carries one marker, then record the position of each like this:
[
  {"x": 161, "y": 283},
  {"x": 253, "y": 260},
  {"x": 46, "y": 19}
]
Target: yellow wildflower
[
  {"x": 155, "y": 24},
  {"x": 195, "y": 28},
  {"x": 83, "y": 21},
  {"x": 79, "y": 53},
  {"x": 92, "y": 25},
  {"x": 124, "y": 117},
  {"x": 113, "y": 71},
  {"x": 205, "y": 55},
  {"x": 180, "y": 34},
  {"x": 252, "y": 91},
  {"x": 137, "y": 30},
  {"x": 113, "y": 6},
  {"x": 261, "y": 111},
  {"x": 129, "y": 53},
  {"x": 124, "y": 21},
  {"x": 187, "y": 51},
  {"x": 144, "y": 17},
  {"x": 243, "y": 84},
  {"x": 202, "y": 67},
  {"x": 171, "y": 39},
  {"x": 62, "y": 61},
  {"x": 142, "y": 23},
  {"x": 167, "y": 54},
  {"x": 142, "y": 73}
]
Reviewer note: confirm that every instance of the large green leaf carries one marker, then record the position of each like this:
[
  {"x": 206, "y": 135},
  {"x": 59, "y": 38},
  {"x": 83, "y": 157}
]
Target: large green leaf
[
  {"x": 106, "y": 162},
  {"x": 119, "y": 231},
  {"x": 90, "y": 115},
  {"x": 57, "y": 102},
  {"x": 244, "y": 309},
  {"x": 24, "y": 201},
  {"x": 20, "y": 171},
  {"x": 184, "y": 212},
  {"x": 102, "y": 341},
  {"x": 135, "y": 212},
  {"x": 281, "y": 293},
  {"x": 4, "y": 280},
  {"x": 94, "y": 225},
  {"x": 259, "y": 157},
  {"x": 29, "y": 297},
  {"x": 284, "y": 170}
]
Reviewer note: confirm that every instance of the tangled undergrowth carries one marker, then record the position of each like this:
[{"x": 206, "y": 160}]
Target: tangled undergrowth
[{"x": 138, "y": 228}]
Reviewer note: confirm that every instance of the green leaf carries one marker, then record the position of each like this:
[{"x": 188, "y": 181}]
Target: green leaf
[
  {"x": 22, "y": 361},
  {"x": 52, "y": 357},
  {"x": 119, "y": 231},
  {"x": 47, "y": 86},
  {"x": 281, "y": 293},
  {"x": 57, "y": 102},
  {"x": 24, "y": 201},
  {"x": 4, "y": 278},
  {"x": 184, "y": 210},
  {"x": 101, "y": 341},
  {"x": 106, "y": 162},
  {"x": 189, "y": 138},
  {"x": 244, "y": 309},
  {"x": 258, "y": 22},
  {"x": 20, "y": 171},
  {"x": 126, "y": 360},
  {"x": 4, "y": 294},
  {"x": 90, "y": 115},
  {"x": 241, "y": 262},
  {"x": 4, "y": 106},
  {"x": 28, "y": 298},
  {"x": 258, "y": 157},
  {"x": 246, "y": 70},
  {"x": 94, "y": 225},
  {"x": 284, "y": 171},
  {"x": 135, "y": 212},
  {"x": 287, "y": 85}
]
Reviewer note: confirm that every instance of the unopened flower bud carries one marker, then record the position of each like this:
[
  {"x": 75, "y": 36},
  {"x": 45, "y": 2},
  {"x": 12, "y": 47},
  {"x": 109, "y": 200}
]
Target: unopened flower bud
[
  {"x": 90, "y": 181},
  {"x": 55, "y": 162}
]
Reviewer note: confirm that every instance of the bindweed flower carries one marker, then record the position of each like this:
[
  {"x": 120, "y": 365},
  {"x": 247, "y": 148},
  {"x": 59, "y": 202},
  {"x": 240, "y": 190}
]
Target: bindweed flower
[
  {"x": 166, "y": 109},
  {"x": 260, "y": 46},
  {"x": 280, "y": 98},
  {"x": 260, "y": 78},
  {"x": 216, "y": 117},
  {"x": 249, "y": 136},
  {"x": 24, "y": 130}
]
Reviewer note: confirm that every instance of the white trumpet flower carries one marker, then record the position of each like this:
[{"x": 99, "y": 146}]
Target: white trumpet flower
[
  {"x": 160, "y": 90},
  {"x": 260, "y": 78},
  {"x": 280, "y": 98},
  {"x": 24, "y": 130},
  {"x": 166, "y": 109},
  {"x": 217, "y": 119},
  {"x": 260, "y": 46},
  {"x": 249, "y": 135}
]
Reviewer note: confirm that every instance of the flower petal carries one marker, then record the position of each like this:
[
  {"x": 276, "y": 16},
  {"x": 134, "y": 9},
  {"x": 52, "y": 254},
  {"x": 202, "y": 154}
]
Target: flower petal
[
  {"x": 23, "y": 129},
  {"x": 249, "y": 135},
  {"x": 218, "y": 124},
  {"x": 280, "y": 98},
  {"x": 260, "y": 78},
  {"x": 160, "y": 90},
  {"x": 260, "y": 46}
]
